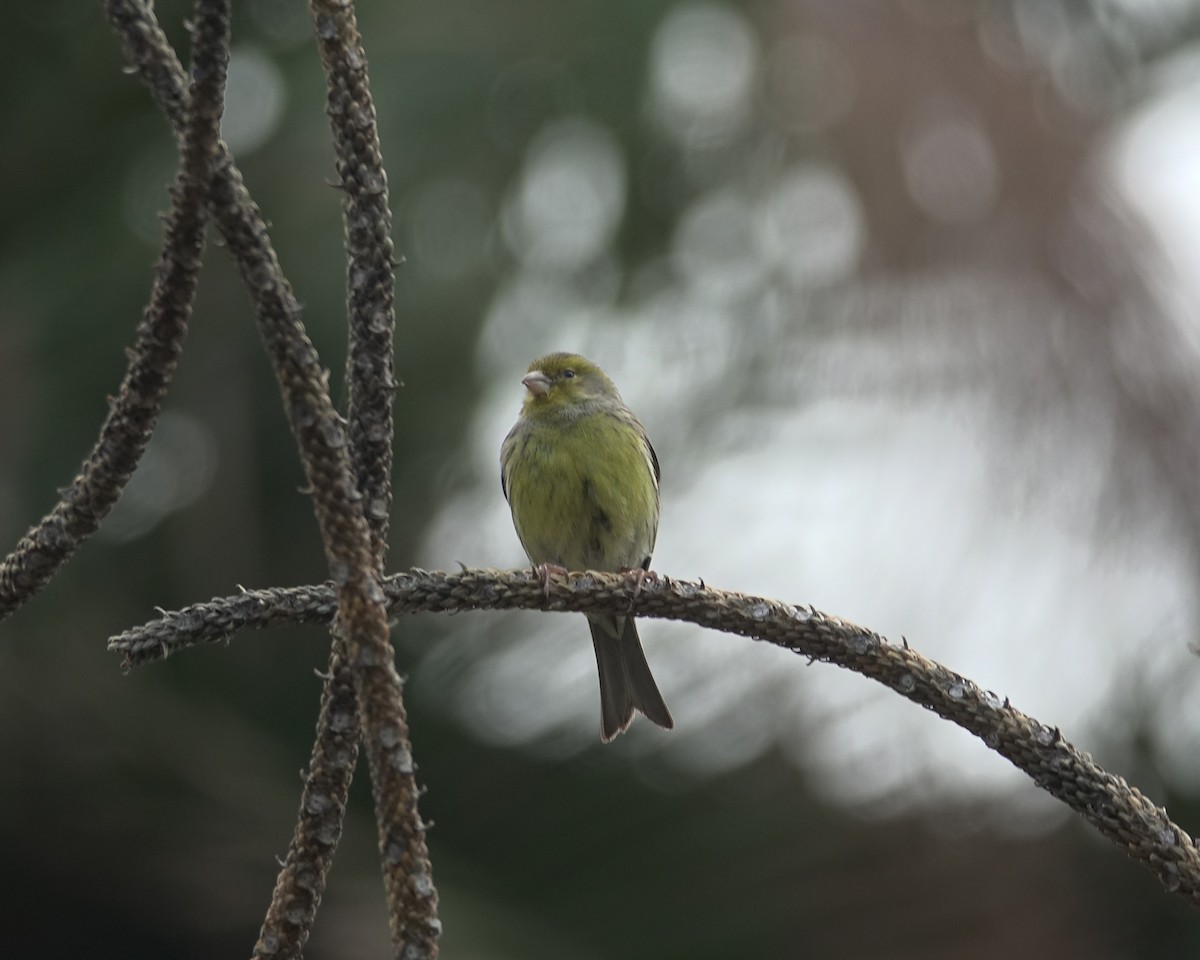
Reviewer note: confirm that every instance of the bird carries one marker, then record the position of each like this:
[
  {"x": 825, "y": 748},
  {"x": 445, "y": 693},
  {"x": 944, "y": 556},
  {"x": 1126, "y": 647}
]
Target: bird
[{"x": 581, "y": 478}]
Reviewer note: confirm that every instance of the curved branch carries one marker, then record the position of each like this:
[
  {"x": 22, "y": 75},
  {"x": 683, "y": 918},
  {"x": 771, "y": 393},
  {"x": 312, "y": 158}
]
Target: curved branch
[
  {"x": 1119, "y": 811},
  {"x": 371, "y": 283},
  {"x": 155, "y": 353},
  {"x": 361, "y": 642},
  {"x": 371, "y": 261},
  {"x": 301, "y": 880},
  {"x": 344, "y": 530}
]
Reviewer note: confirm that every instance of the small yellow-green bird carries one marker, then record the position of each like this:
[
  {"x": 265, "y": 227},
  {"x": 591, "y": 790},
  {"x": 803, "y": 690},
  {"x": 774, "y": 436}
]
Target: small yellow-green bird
[{"x": 581, "y": 478}]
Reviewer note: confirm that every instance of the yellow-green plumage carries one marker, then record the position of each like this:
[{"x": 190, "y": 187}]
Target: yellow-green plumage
[{"x": 582, "y": 480}]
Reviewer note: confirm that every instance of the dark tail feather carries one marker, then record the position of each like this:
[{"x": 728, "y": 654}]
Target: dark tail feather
[{"x": 626, "y": 683}]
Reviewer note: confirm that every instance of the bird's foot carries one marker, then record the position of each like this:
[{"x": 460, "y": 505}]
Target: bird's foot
[
  {"x": 544, "y": 572},
  {"x": 638, "y": 575}
]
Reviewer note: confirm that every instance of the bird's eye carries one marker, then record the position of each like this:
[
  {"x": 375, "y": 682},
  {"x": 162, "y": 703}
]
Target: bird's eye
[{"x": 568, "y": 374}]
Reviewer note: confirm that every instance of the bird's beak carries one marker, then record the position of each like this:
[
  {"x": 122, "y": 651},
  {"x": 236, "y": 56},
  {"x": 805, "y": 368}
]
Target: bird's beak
[{"x": 536, "y": 382}]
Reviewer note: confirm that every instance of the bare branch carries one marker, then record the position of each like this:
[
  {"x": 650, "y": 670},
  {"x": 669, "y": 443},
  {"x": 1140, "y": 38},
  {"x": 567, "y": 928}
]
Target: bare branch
[
  {"x": 371, "y": 261},
  {"x": 408, "y": 874},
  {"x": 155, "y": 353},
  {"x": 301, "y": 881},
  {"x": 371, "y": 313},
  {"x": 1119, "y": 811},
  {"x": 338, "y": 506}
]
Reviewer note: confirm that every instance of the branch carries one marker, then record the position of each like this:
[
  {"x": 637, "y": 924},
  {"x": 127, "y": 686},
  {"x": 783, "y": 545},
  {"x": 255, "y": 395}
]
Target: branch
[
  {"x": 155, "y": 353},
  {"x": 371, "y": 261},
  {"x": 407, "y": 871},
  {"x": 301, "y": 881},
  {"x": 1119, "y": 811},
  {"x": 343, "y": 529}
]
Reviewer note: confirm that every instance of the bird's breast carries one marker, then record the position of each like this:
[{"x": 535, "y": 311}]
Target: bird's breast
[{"x": 582, "y": 494}]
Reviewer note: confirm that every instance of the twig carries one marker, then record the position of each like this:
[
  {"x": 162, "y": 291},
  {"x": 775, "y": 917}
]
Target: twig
[
  {"x": 322, "y": 442},
  {"x": 408, "y": 874},
  {"x": 371, "y": 261},
  {"x": 153, "y": 357},
  {"x": 371, "y": 315},
  {"x": 301, "y": 881},
  {"x": 1119, "y": 811}
]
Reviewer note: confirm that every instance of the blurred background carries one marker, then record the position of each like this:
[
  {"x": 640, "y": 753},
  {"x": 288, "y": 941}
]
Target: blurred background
[{"x": 907, "y": 296}]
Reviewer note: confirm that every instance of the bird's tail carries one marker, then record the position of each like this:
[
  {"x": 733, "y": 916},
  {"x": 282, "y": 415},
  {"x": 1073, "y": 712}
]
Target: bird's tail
[{"x": 626, "y": 683}]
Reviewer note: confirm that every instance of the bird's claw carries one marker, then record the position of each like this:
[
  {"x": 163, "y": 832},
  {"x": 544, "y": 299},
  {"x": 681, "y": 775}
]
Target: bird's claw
[
  {"x": 544, "y": 572},
  {"x": 638, "y": 575}
]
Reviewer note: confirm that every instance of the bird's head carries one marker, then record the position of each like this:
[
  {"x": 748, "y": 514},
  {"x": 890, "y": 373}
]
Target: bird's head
[{"x": 563, "y": 383}]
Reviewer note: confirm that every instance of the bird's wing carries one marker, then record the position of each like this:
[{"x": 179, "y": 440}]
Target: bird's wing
[
  {"x": 653, "y": 457},
  {"x": 507, "y": 449}
]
